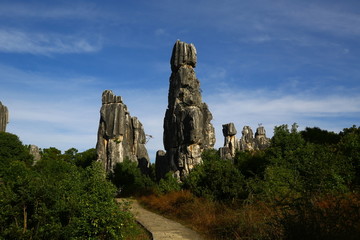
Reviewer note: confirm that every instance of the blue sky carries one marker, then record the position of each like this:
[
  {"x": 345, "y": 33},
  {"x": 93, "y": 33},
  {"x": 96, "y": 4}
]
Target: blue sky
[{"x": 259, "y": 61}]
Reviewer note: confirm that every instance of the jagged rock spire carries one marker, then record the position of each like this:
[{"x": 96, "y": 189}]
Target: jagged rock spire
[
  {"x": 247, "y": 142},
  {"x": 120, "y": 136},
  {"x": 230, "y": 142},
  {"x": 4, "y": 117},
  {"x": 183, "y": 54},
  {"x": 187, "y": 127}
]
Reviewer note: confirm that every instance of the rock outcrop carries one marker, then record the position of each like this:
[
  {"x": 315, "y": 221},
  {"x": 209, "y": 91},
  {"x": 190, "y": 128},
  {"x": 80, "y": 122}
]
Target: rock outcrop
[
  {"x": 247, "y": 142},
  {"x": 35, "y": 152},
  {"x": 262, "y": 141},
  {"x": 4, "y": 117},
  {"x": 230, "y": 142},
  {"x": 187, "y": 128},
  {"x": 120, "y": 136}
]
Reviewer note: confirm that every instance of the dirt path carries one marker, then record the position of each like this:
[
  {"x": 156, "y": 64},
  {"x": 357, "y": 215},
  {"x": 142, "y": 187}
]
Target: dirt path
[{"x": 160, "y": 227}]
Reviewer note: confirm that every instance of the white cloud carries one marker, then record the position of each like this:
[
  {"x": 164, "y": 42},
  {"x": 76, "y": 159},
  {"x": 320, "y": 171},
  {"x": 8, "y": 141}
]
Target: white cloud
[
  {"x": 16, "y": 41},
  {"x": 270, "y": 109},
  {"x": 73, "y": 122},
  {"x": 324, "y": 18},
  {"x": 52, "y": 11},
  {"x": 160, "y": 32}
]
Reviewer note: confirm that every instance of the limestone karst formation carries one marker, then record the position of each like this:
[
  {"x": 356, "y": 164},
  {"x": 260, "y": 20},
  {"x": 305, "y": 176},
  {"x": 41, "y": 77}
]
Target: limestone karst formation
[
  {"x": 247, "y": 142},
  {"x": 4, "y": 117},
  {"x": 187, "y": 127},
  {"x": 230, "y": 142},
  {"x": 120, "y": 136},
  {"x": 262, "y": 141},
  {"x": 35, "y": 152}
]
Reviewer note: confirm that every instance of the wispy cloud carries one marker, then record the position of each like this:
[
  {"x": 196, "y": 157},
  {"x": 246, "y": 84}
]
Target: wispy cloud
[
  {"x": 326, "y": 19},
  {"x": 49, "y": 10},
  {"x": 273, "y": 109},
  {"x": 51, "y": 110},
  {"x": 72, "y": 121},
  {"x": 16, "y": 41},
  {"x": 63, "y": 124}
]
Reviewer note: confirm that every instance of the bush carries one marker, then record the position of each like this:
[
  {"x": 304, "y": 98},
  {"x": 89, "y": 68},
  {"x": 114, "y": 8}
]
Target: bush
[
  {"x": 57, "y": 200},
  {"x": 129, "y": 180},
  {"x": 216, "y": 179},
  {"x": 12, "y": 149},
  {"x": 168, "y": 184},
  {"x": 323, "y": 217}
]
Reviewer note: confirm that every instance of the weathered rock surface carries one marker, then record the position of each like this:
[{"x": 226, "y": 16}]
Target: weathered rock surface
[
  {"x": 262, "y": 141},
  {"x": 230, "y": 142},
  {"x": 247, "y": 142},
  {"x": 120, "y": 136},
  {"x": 187, "y": 128},
  {"x": 4, "y": 117},
  {"x": 162, "y": 165},
  {"x": 183, "y": 54},
  {"x": 35, "y": 152}
]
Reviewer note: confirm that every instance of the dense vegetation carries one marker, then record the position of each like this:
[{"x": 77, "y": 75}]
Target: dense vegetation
[
  {"x": 304, "y": 186},
  {"x": 63, "y": 196}
]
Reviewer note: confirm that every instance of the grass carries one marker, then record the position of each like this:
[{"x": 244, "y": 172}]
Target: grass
[{"x": 320, "y": 217}]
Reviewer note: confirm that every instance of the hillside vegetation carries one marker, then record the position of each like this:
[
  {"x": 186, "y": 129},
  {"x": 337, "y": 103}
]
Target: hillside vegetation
[
  {"x": 304, "y": 186},
  {"x": 63, "y": 196}
]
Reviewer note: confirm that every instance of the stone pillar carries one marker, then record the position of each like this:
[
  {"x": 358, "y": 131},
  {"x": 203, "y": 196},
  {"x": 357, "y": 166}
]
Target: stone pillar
[
  {"x": 262, "y": 141},
  {"x": 230, "y": 142},
  {"x": 4, "y": 117},
  {"x": 187, "y": 127},
  {"x": 120, "y": 136},
  {"x": 247, "y": 141}
]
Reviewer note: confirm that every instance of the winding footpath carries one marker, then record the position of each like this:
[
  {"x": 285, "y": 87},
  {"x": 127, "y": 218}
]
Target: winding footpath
[{"x": 160, "y": 227}]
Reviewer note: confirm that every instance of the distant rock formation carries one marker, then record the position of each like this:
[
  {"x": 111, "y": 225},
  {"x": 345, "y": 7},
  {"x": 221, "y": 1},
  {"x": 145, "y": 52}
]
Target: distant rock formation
[
  {"x": 230, "y": 142},
  {"x": 262, "y": 141},
  {"x": 4, "y": 117},
  {"x": 120, "y": 136},
  {"x": 187, "y": 128},
  {"x": 247, "y": 142},
  {"x": 35, "y": 152}
]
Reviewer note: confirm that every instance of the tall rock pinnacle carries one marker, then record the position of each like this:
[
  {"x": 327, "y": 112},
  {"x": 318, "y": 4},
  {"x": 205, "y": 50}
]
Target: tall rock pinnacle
[
  {"x": 187, "y": 128},
  {"x": 120, "y": 136},
  {"x": 4, "y": 117}
]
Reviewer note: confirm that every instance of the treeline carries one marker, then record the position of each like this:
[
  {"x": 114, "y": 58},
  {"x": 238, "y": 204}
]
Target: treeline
[
  {"x": 62, "y": 196},
  {"x": 304, "y": 186}
]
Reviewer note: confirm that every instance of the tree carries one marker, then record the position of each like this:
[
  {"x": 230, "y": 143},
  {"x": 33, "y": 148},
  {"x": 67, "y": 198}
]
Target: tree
[
  {"x": 349, "y": 148},
  {"x": 86, "y": 158},
  {"x": 216, "y": 179},
  {"x": 319, "y": 136},
  {"x": 12, "y": 149},
  {"x": 55, "y": 199},
  {"x": 251, "y": 164},
  {"x": 128, "y": 178},
  {"x": 51, "y": 153}
]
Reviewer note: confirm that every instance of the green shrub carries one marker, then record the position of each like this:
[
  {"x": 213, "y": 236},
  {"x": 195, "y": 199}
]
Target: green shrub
[
  {"x": 12, "y": 149},
  {"x": 168, "y": 184},
  {"x": 216, "y": 179},
  {"x": 129, "y": 180},
  {"x": 57, "y": 200}
]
